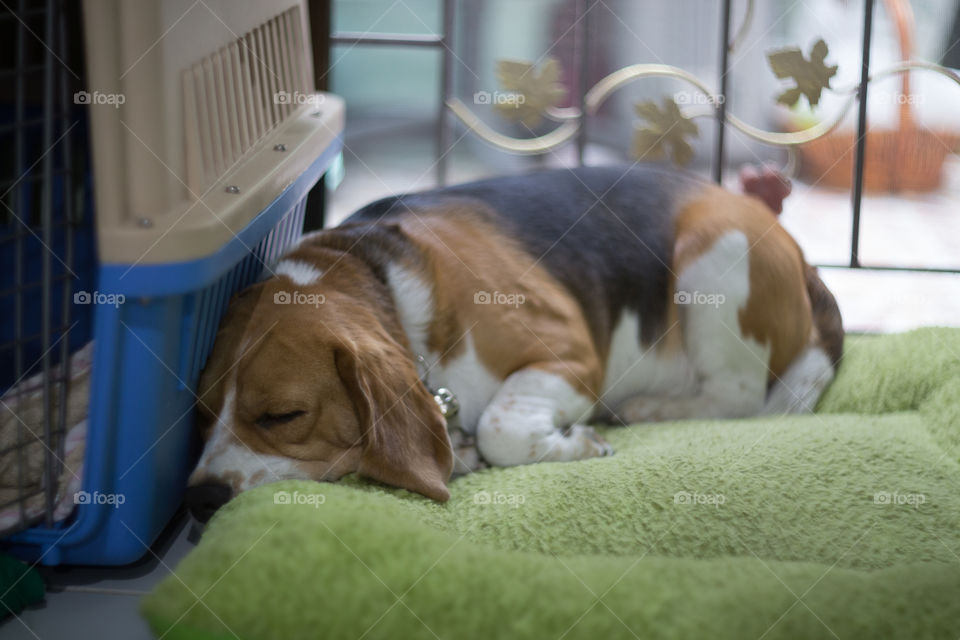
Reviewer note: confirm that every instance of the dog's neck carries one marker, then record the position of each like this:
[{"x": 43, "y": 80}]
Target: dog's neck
[{"x": 363, "y": 264}]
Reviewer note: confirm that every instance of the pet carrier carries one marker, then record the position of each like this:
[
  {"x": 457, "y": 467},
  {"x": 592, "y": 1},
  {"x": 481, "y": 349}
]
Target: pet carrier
[{"x": 206, "y": 137}]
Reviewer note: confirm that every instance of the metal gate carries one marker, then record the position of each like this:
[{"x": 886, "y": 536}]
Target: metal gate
[{"x": 573, "y": 126}]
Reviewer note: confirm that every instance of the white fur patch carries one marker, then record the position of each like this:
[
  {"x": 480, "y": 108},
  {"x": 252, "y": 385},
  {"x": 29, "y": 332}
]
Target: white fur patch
[
  {"x": 523, "y": 421},
  {"x": 464, "y": 375},
  {"x": 301, "y": 273},
  {"x": 801, "y": 385},
  {"x": 468, "y": 378},
  {"x": 226, "y": 459},
  {"x": 717, "y": 286},
  {"x": 636, "y": 368},
  {"x": 731, "y": 368},
  {"x": 413, "y": 298}
]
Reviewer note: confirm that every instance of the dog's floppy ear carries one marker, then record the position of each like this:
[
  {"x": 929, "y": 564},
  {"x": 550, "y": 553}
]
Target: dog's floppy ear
[{"x": 404, "y": 434}]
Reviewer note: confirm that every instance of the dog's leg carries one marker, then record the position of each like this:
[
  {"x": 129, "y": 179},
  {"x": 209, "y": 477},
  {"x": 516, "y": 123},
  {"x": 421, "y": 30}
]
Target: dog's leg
[
  {"x": 800, "y": 387},
  {"x": 535, "y": 416},
  {"x": 723, "y": 396},
  {"x": 731, "y": 367}
]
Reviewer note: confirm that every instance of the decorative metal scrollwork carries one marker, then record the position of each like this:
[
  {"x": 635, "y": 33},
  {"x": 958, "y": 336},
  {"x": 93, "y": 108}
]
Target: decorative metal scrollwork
[{"x": 665, "y": 128}]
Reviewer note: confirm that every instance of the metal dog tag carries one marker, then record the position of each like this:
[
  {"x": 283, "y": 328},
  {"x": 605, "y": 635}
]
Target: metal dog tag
[{"x": 448, "y": 403}]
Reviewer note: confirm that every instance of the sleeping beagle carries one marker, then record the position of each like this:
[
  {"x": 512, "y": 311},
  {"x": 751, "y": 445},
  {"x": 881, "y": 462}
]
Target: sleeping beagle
[{"x": 541, "y": 302}]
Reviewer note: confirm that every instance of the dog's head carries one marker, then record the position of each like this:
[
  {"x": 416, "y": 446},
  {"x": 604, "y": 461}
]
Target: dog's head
[{"x": 314, "y": 384}]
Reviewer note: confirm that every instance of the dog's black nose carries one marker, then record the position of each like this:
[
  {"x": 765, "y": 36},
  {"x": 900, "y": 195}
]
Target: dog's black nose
[{"x": 204, "y": 499}]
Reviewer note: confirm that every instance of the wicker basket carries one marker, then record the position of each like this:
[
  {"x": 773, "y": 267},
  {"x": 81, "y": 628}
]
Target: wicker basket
[{"x": 909, "y": 158}]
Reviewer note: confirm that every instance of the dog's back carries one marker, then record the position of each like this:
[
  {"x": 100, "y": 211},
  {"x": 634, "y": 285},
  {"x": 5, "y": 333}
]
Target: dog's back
[{"x": 606, "y": 233}]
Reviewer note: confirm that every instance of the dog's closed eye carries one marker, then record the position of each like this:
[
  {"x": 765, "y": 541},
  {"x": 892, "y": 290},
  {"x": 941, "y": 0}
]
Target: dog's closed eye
[{"x": 268, "y": 420}]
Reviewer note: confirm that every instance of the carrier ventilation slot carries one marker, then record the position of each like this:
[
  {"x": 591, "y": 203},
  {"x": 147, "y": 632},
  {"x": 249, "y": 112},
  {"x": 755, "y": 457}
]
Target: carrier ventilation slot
[
  {"x": 238, "y": 94},
  {"x": 211, "y": 303}
]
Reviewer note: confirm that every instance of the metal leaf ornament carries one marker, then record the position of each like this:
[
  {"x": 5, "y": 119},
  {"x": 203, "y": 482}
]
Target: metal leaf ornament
[
  {"x": 666, "y": 127},
  {"x": 533, "y": 91},
  {"x": 812, "y": 76}
]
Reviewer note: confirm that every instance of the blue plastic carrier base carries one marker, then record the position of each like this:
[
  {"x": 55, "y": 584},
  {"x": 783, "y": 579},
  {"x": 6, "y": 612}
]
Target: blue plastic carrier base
[{"x": 148, "y": 354}]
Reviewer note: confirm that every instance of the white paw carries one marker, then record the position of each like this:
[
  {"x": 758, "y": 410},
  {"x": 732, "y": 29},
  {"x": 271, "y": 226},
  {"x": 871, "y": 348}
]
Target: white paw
[{"x": 591, "y": 444}]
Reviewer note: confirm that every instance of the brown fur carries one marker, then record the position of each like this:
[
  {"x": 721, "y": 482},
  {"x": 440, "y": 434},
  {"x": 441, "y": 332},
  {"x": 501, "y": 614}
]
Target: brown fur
[{"x": 463, "y": 255}]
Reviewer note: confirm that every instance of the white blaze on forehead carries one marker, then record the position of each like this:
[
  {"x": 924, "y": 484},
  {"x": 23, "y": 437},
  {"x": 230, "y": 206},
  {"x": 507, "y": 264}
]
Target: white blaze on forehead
[
  {"x": 300, "y": 272},
  {"x": 228, "y": 460}
]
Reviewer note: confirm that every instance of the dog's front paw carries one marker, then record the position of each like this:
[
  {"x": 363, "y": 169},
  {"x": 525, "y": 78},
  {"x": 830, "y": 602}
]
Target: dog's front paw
[{"x": 592, "y": 445}]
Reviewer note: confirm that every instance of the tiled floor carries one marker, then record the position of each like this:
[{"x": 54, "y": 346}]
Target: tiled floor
[{"x": 904, "y": 230}]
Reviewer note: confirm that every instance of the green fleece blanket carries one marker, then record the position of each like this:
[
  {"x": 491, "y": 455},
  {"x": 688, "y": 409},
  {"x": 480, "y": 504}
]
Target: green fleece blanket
[{"x": 841, "y": 524}]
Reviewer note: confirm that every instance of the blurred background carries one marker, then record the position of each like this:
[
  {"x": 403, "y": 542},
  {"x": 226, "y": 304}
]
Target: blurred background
[{"x": 393, "y": 92}]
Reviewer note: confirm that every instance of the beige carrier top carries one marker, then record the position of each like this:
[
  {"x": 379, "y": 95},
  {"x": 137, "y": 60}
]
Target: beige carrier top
[{"x": 202, "y": 113}]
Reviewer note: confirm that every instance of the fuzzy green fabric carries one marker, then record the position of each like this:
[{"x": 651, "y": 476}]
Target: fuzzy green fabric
[{"x": 839, "y": 524}]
